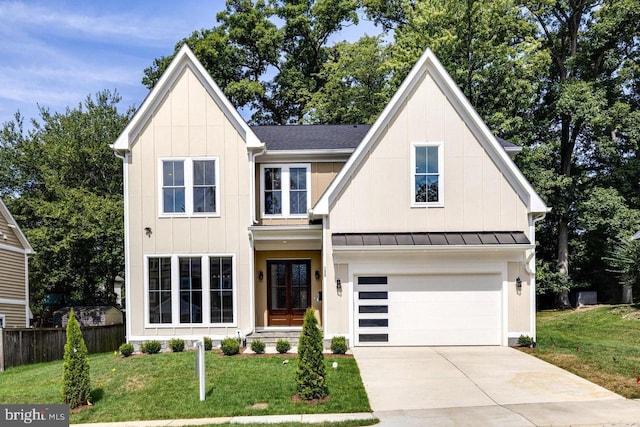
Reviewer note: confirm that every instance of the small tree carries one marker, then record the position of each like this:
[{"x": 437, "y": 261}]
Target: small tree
[
  {"x": 311, "y": 374},
  {"x": 75, "y": 377}
]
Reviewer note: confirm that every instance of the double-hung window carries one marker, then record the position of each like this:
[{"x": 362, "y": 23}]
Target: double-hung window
[
  {"x": 189, "y": 187},
  {"x": 426, "y": 176},
  {"x": 285, "y": 190},
  {"x": 190, "y": 290}
]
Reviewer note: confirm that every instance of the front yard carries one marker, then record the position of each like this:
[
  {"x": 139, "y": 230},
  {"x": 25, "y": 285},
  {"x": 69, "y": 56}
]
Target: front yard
[
  {"x": 601, "y": 344},
  {"x": 163, "y": 386}
]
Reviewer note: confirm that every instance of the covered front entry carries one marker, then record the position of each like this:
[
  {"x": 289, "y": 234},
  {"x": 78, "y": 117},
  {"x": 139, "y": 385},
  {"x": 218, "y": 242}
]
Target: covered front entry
[{"x": 288, "y": 291}]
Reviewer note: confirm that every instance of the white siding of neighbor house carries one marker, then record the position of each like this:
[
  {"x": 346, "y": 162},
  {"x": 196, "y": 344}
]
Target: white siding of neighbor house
[
  {"x": 188, "y": 123},
  {"x": 476, "y": 194}
]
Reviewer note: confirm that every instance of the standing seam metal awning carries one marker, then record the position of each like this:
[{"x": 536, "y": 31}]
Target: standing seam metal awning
[{"x": 431, "y": 239}]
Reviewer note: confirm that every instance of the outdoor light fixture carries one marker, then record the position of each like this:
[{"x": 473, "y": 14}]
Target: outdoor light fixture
[
  {"x": 338, "y": 285},
  {"x": 147, "y": 231},
  {"x": 518, "y": 283},
  {"x": 317, "y": 275},
  {"x": 260, "y": 275}
]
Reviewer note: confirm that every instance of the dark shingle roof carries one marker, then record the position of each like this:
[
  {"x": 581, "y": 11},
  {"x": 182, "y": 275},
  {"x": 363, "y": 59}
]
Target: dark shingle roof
[
  {"x": 430, "y": 239},
  {"x": 321, "y": 137},
  {"x": 311, "y": 137}
]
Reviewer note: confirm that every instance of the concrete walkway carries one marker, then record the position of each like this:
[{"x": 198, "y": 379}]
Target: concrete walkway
[{"x": 488, "y": 386}]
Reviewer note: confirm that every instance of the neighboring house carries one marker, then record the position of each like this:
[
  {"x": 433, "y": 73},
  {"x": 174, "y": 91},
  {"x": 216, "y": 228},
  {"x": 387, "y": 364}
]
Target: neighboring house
[
  {"x": 416, "y": 230},
  {"x": 14, "y": 273},
  {"x": 101, "y": 315}
]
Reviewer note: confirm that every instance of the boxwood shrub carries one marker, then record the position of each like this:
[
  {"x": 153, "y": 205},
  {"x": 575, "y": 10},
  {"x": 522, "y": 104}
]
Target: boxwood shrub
[
  {"x": 230, "y": 346},
  {"x": 282, "y": 346},
  {"x": 338, "y": 345},
  {"x": 176, "y": 345},
  {"x": 126, "y": 349},
  {"x": 258, "y": 346},
  {"x": 151, "y": 347}
]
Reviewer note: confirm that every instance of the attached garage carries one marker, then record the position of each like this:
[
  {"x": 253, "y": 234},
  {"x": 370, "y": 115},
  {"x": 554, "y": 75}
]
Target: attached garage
[{"x": 429, "y": 309}]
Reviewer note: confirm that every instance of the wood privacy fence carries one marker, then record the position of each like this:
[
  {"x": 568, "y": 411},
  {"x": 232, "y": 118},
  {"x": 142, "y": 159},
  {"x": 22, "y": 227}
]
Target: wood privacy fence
[{"x": 35, "y": 345}]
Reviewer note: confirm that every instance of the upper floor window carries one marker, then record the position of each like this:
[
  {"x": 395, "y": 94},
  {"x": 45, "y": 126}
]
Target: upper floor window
[
  {"x": 285, "y": 190},
  {"x": 426, "y": 183},
  {"x": 189, "y": 186}
]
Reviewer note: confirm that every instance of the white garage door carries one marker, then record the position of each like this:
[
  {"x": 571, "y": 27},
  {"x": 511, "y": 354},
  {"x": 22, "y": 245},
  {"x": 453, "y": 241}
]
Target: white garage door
[{"x": 442, "y": 309}]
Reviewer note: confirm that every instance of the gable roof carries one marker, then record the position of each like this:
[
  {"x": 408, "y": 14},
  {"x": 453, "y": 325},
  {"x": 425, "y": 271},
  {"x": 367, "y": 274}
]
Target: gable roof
[
  {"x": 311, "y": 137},
  {"x": 4, "y": 211},
  {"x": 428, "y": 63},
  {"x": 183, "y": 59}
]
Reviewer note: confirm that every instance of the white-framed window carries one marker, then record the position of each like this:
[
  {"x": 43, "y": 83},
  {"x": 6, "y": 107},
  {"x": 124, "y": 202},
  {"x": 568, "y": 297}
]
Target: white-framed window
[
  {"x": 2, "y": 321},
  {"x": 427, "y": 186},
  {"x": 190, "y": 290},
  {"x": 189, "y": 186},
  {"x": 286, "y": 190}
]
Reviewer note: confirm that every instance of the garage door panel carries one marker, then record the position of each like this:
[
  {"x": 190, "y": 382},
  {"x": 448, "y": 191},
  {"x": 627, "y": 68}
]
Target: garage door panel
[{"x": 434, "y": 310}]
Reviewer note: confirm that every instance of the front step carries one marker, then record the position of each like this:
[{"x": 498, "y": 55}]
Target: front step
[{"x": 270, "y": 336}]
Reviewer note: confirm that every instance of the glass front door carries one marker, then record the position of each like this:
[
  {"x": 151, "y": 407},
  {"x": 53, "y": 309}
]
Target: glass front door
[{"x": 289, "y": 291}]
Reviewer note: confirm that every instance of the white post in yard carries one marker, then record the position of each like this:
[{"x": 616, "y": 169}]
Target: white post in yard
[{"x": 200, "y": 366}]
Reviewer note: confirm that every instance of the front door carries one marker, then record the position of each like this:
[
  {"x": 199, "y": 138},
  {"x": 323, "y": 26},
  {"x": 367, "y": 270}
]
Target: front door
[{"x": 288, "y": 291}]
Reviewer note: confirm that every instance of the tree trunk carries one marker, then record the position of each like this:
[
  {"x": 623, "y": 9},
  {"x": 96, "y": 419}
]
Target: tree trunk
[{"x": 562, "y": 297}]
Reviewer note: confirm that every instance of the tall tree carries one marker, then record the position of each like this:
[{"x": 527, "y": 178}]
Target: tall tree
[
  {"x": 589, "y": 42},
  {"x": 356, "y": 85},
  {"x": 65, "y": 190},
  {"x": 268, "y": 69}
]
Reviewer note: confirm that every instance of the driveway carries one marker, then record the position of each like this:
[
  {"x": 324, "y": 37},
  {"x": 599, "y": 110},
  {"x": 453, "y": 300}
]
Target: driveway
[{"x": 489, "y": 386}]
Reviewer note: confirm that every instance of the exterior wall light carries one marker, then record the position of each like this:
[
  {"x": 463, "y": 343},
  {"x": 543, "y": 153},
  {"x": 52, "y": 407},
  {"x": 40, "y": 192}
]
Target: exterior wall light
[
  {"x": 338, "y": 285},
  {"x": 518, "y": 283},
  {"x": 147, "y": 231},
  {"x": 260, "y": 275},
  {"x": 317, "y": 275}
]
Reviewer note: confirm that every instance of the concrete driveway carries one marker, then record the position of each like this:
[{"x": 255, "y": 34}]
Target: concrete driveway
[{"x": 488, "y": 386}]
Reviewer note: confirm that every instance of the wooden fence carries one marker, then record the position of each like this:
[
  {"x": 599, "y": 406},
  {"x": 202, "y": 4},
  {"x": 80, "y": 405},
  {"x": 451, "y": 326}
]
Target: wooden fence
[{"x": 35, "y": 345}]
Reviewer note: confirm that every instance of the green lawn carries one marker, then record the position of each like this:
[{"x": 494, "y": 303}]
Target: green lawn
[
  {"x": 601, "y": 344},
  {"x": 164, "y": 386}
]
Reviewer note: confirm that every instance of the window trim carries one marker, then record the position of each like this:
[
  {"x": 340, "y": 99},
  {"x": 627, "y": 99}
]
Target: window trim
[
  {"x": 175, "y": 291},
  {"x": 188, "y": 187},
  {"x": 285, "y": 189},
  {"x": 412, "y": 174}
]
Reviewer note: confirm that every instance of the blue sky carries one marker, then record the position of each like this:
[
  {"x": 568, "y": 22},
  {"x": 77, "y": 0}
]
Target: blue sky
[{"x": 55, "y": 53}]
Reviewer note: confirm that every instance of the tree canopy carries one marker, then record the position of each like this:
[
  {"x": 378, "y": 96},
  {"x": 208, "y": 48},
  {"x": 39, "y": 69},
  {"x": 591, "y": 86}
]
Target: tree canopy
[{"x": 64, "y": 186}]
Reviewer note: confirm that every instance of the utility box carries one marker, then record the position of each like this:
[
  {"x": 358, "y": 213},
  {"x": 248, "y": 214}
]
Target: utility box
[{"x": 587, "y": 298}]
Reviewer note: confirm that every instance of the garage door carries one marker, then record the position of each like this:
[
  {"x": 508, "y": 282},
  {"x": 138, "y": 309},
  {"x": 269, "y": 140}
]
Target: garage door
[{"x": 441, "y": 309}]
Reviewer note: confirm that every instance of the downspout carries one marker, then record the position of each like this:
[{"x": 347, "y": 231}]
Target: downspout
[
  {"x": 253, "y": 220},
  {"x": 127, "y": 261},
  {"x": 530, "y": 267}
]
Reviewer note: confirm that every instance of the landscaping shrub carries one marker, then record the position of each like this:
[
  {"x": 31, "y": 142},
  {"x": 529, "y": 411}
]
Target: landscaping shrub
[
  {"x": 75, "y": 372},
  {"x": 310, "y": 375},
  {"x": 126, "y": 349},
  {"x": 151, "y": 347},
  {"x": 282, "y": 346},
  {"x": 339, "y": 345},
  {"x": 176, "y": 345},
  {"x": 525, "y": 341},
  {"x": 208, "y": 344},
  {"x": 257, "y": 346},
  {"x": 230, "y": 346}
]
